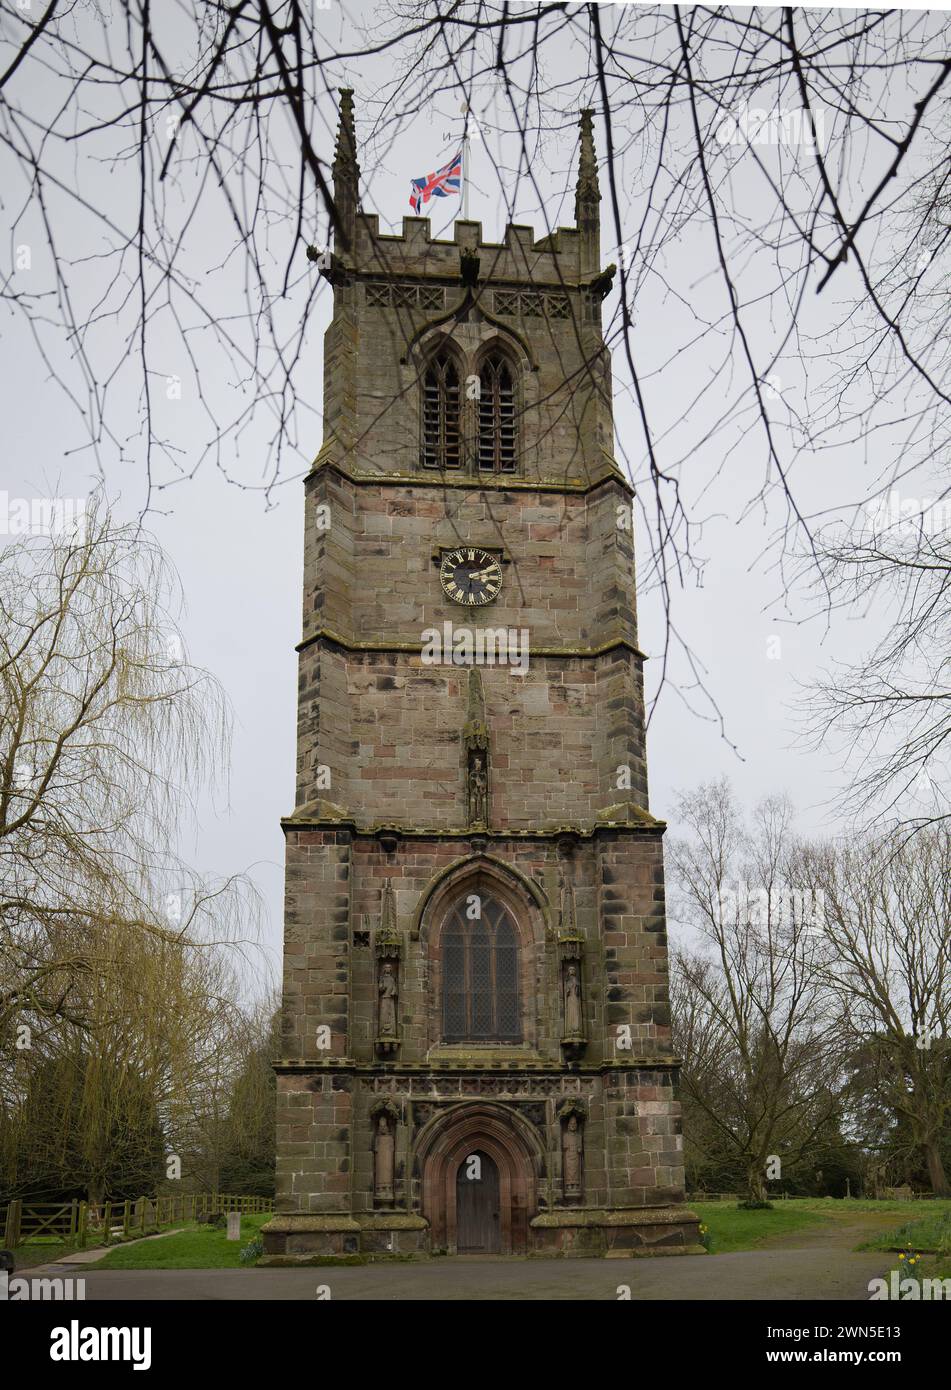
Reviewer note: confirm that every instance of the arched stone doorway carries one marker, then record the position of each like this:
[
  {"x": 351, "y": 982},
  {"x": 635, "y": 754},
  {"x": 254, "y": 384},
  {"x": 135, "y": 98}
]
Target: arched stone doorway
[{"x": 479, "y": 1167}]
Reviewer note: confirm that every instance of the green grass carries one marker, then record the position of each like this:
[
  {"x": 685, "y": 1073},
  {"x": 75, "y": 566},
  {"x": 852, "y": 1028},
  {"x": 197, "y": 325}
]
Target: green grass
[
  {"x": 191, "y": 1247},
  {"x": 925, "y": 1267},
  {"x": 733, "y": 1229},
  {"x": 42, "y": 1251},
  {"x": 203, "y": 1247},
  {"x": 930, "y": 1232}
]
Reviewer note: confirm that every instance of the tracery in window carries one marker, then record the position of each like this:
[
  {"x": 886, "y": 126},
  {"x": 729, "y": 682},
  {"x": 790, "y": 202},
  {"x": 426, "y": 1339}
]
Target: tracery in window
[
  {"x": 497, "y": 429},
  {"x": 441, "y": 413},
  {"x": 480, "y": 973}
]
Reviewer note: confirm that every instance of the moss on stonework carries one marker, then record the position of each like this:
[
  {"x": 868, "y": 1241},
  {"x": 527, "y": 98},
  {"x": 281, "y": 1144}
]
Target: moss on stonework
[
  {"x": 391, "y": 1221},
  {"x": 617, "y": 1216},
  {"x": 348, "y": 643},
  {"x": 297, "y": 1223},
  {"x": 478, "y": 1057},
  {"x": 609, "y": 473},
  {"x": 659, "y": 1064},
  {"x": 300, "y": 1223},
  {"x": 304, "y": 1261}
]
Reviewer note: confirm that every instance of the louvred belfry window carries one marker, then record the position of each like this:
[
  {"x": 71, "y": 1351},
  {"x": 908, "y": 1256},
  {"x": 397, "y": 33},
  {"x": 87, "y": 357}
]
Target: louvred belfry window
[
  {"x": 441, "y": 407},
  {"x": 497, "y": 432},
  {"x": 480, "y": 961}
]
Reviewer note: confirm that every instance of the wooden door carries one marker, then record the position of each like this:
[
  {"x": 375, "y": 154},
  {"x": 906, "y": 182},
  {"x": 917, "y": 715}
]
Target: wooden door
[{"x": 478, "y": 1228}]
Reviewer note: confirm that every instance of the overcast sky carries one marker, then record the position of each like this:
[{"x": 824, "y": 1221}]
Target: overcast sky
[{"x": 238, "y": 551}]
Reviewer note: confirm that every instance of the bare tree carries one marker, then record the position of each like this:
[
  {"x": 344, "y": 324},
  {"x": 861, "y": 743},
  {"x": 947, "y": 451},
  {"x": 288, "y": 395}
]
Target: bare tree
[
  {"x": 891, "y": 710},
  {"x": 886, "y": 961},
  {"x": 751, "y": 1022},
  {"x": 751, "y": 158}
]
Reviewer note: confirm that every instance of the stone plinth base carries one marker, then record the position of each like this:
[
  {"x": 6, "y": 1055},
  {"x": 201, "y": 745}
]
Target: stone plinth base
[
  {"x": 616, "y": 1233},
  {"x": 580, "y": 1232},
  {"x": 295, "y": 1239}
]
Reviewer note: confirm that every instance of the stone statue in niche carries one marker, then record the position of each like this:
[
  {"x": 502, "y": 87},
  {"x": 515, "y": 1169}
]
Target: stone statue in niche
[
  {"x": 384, "y": 1153},
  {"x": 389, "y": 949},
  {"x": 475, "y": 738},
  {"x": 571, "y": 1156},
  {"x": 573, "y": 1025},
  {"x": 571, "y": 952},
  {"x": 478, "y": 788},
  {"x": 389, "y": 994}
]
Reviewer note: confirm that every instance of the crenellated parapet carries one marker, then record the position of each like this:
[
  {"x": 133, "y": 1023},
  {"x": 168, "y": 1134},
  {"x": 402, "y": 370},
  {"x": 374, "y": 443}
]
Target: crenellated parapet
[{"x": 402, "y": 299}]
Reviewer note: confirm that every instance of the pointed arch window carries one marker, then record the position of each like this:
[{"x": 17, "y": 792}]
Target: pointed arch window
[
  {"x": 497, "y": 430},
  {"x": 441, "y": 412},
  {"x": 480, "y": 974}
]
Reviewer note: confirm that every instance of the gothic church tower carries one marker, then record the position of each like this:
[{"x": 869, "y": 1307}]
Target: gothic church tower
[{"x": 476, "y": 1047}]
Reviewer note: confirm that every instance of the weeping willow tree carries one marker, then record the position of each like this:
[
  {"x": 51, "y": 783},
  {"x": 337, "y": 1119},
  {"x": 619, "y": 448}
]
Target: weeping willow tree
[
  {"x": 111, "y": 986},
  {"x": 103, "y": 1108},
  {"x": 106, "y": 731},
  {"x": 251, "y": 1119}
]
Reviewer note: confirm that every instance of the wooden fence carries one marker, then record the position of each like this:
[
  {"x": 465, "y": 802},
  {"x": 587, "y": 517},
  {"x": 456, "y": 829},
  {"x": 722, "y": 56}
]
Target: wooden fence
[
  {"x": 76, "y": 1223},
  {"x": 884, "y": 1194}
]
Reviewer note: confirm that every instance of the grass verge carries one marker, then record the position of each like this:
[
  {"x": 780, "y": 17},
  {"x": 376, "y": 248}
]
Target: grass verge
[
  {"x": 930, "y": 1232},
  {"x": 732, "y": 1229},
  {"x": 191, "y": 1247},
  {"x": 43, "y": 1251}
]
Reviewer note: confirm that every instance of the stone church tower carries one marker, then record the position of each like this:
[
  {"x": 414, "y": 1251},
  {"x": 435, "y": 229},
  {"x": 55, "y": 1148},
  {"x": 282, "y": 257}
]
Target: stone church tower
[{"x": 476, "y": 1046}]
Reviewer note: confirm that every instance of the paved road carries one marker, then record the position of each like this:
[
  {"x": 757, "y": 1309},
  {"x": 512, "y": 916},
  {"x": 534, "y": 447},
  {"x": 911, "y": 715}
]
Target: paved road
[
  {"x": 819, "y": 1262},
  {"x": 817, "y": 1272}
]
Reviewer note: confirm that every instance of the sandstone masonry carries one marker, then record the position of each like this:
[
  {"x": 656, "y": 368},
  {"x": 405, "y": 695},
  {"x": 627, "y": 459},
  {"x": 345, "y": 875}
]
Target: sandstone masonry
[{"x": 558, "y": 1132}]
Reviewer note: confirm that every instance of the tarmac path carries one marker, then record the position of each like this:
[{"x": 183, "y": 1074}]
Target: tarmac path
[{"x": 820, "y": 1263}]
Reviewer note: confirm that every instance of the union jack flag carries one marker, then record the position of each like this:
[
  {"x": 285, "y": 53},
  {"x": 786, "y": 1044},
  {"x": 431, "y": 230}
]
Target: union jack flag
[{"x": 439, "y": 185}]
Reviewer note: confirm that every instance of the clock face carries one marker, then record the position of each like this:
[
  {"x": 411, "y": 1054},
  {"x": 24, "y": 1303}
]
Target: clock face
[{"x": 470, "y": 576}]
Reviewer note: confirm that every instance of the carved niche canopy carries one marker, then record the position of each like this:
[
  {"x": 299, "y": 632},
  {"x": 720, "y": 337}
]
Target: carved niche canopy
[
  {"x": 570, "y": 956},
  {"x": 389, "y": 950},
  {"x": 475, "y": 739}
]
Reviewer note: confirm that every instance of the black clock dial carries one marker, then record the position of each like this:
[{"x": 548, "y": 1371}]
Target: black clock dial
[{"x": 470, "y": 576}]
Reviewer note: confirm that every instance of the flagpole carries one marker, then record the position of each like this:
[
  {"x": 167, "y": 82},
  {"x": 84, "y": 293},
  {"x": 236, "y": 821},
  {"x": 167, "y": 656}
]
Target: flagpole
[
  {"x": 465, "y": 173},
  {"x": 465, "y": 161}
]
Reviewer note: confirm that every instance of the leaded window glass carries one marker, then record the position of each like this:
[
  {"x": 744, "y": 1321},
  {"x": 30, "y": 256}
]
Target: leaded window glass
[{"x": 480, "y": 963}]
